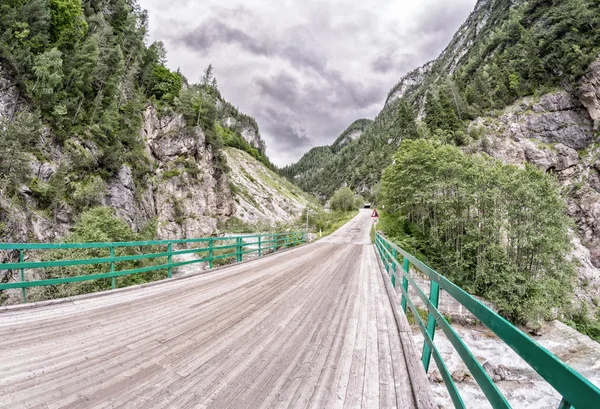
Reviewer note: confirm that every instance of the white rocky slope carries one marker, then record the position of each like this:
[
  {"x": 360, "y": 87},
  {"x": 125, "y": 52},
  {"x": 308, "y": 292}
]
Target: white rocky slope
[{"x": 261, "y": 195}]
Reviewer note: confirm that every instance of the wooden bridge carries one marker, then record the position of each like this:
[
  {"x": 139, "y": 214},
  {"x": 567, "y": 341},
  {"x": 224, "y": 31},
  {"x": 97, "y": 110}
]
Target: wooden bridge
[{"x": 315, "y": 326}]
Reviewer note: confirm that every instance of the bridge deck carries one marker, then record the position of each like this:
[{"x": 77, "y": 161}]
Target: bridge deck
[{"x": 310, "y": 327}]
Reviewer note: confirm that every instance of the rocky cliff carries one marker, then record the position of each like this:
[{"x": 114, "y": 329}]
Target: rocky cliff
[{"x": 189, "y": 190}]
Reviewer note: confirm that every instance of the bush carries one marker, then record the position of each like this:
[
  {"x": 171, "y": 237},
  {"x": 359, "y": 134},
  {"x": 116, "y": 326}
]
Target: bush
[
  {"x": 496, "y": 230},
  {"x": 359, "y": 202},
  {"x": 100, "y": 224},
  {"x": 343, "y": 200},
  {"x": 88, "y": 192}
]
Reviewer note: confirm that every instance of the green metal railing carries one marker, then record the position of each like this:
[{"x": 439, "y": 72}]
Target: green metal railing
[
  {"x": 576, "y": 391},
  {"x": 259, "y": 244}
]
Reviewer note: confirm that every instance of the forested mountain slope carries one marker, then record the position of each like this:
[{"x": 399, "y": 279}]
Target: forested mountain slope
[
  {"x": 308, "y": 172},
  {"x": 519, "y": 82},
  {"x": 91, "y": 116},
  {"x": 504, "y": 51}
]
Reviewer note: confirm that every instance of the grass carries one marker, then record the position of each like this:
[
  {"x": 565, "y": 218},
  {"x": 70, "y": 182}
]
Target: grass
[
  {"x": 422, "y": 314},
  {"x": 334, "y": 220},
  {"x": 225, "y": 260}
]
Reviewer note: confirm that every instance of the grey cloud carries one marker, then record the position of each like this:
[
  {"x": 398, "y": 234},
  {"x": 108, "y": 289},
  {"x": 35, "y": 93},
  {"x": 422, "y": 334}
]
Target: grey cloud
[
  {"x": 289, "y": 134},
  {"x": 212, "y": 33},
  {"x": 304, "y": 58},
  {"x": 235, "y": 12},
  {"x": 282, "y": 87},
  {"x": 444, "y": 19},
  {"x": 393, "y": 61}
]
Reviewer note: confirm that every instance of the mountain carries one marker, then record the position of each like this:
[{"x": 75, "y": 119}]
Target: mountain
[
  {"x": 90, "y": 116},
  {"x": 519, "y": 82},
  {"x": 308, "y": 172},
  {"x": 504, "y": 51}
]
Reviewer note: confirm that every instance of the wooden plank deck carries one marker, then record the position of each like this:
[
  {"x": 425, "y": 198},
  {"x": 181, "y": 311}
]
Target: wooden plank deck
[{"x": 312, "y": 327}]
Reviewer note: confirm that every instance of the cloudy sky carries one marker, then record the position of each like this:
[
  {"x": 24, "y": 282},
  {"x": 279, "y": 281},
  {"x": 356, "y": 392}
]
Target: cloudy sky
[{"x": 305, "y": 69}]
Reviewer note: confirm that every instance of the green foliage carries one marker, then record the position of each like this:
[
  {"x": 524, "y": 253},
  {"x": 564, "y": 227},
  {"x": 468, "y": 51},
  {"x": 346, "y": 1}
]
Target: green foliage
[
  {"x": 423, "y": 315},
  {"x": 47, "y": 69},
  {"x": 496, "y": 230},
  {"x": 372, "y": 234},
  {"x": 441, "y": 112},
  {"x": 164, "y": 84},
  {"x": 585, "y": 322},
  {"x": 359, "y": 202},
  {"x": 328, "y": 222},
  {"x": 95, "y": 225},
  {"x": 68, "y": 22},
  {"x": 16, "y": 138},
  {"x": 100, "y": 225},
  {"x": 87, "y": 192},
  {"x": 67, "y": 60},
  {"x": 235, "y": 140},
  {"x": 343, "y": 200},
  {"x": 235, "y": 225},
  {"x": 406, "y": 121}
]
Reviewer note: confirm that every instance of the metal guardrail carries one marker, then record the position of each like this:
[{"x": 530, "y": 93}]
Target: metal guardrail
[
  {"x": 576, "y": 391},
  {"x": 261, "y": 243}
]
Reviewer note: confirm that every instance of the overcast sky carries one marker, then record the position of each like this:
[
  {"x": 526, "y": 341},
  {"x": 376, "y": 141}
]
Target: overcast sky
[{"x": 305, "y": 69}]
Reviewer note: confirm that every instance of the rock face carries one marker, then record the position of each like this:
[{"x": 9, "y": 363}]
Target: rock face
[
  {"x": 409, "y": 82},
  {"x": 9, "y": 96},
  {"x": 252, "y": 136},
  {"x": 262, "y": 196},
  {"x": 188, "y": 195},
  {"x": 589, "y": 92},
  {"x": 351, "y": 137},
  {"x": 557, "y": 135}
]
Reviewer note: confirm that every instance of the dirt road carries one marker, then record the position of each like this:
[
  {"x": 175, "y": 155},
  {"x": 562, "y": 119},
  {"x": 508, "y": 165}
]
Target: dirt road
[{"x": 309, "y": 327}]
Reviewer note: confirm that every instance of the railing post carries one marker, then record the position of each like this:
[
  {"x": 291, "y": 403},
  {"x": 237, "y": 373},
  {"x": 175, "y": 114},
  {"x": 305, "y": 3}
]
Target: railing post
[
  {"x": 210, "y": 253},
  {"x": 286, "y": 241},
  {"x": 302, "y": 238},
  {"x": 113, "y": 280},
  {"x": 169, "y": 249},
  {"x": 378, "y": 243},
  {"x": 387, "y": 258},
  {"x": 434, "y": 293},
  {"x": 23, "y": 290},
  {"x": 394, "y": 267},
  {"x": 259, "y": 246},
  {"x": 274, "y": 242},
  {"x": 238, "y": 249},
  {"x": 405, "y": 267}
]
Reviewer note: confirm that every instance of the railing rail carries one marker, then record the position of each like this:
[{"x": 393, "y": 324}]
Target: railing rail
[
  {"x": 576, "y": 391},
  {"x": 260, "y": 244}
]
